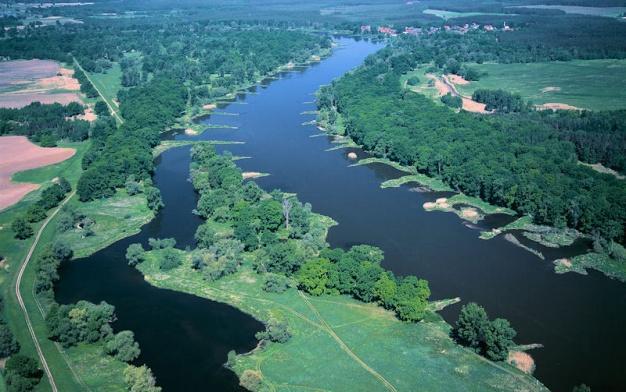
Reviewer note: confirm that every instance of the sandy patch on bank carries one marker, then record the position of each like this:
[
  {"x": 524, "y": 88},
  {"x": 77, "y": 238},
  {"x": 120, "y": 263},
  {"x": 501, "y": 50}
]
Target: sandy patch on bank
[
  {"x": 247, "y": 175},
  {"x": 556, "y": 106},
  {"x": 442, "y": 202},
  {"x": 456, "y": 79},
  {"x": 89, "y": 115},
  {"x": 522, "y": 361},
  {"x": 565, "y": 262},
  {"x": 469, "y": 213},
  {"x": 209, "y": 106},
  {"x": 17, "y": 154}
]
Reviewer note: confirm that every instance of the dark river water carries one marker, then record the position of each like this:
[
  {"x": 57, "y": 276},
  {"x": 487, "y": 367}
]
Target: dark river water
[{"x": 579, "y": 319}]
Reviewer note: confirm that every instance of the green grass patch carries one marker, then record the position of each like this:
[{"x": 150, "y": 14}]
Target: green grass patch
[
  {"x": 598, "y": 261},
  {"x": 589, "y": 84},
  {"x": 422, "y": 179},
  {"x": 342, "y": 344},
  {"x": 108, "y": 83},
  {"x": 115, "y": 218},
  {"x": 521, "y": 223},
  {"x": 611, "y": 12},
  {"x": 96, "y": 371},
  {"x": 426, "y": 84},
  {"x": 388, "y": 162},
  {"x": 167, "y": 144},
  {"x": 554, "y": 238},
  {"x": 451, "y": 14},
  {"x": 478, "y": 203}
]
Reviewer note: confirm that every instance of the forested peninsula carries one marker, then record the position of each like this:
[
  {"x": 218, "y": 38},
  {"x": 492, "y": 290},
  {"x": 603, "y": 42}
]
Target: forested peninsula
[{"x": 266, "y": 254}]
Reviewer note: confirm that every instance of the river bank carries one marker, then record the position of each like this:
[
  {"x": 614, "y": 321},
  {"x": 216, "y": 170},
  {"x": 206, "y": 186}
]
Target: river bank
[{"x": 428, "y": 244}]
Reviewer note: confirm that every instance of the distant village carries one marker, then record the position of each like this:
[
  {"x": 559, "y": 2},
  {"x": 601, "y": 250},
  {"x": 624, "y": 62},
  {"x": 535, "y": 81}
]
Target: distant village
[{"x": 389, "y": 31}]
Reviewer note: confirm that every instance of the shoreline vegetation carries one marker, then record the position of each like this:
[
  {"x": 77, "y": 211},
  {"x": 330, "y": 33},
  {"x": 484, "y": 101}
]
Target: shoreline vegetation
[
  {"x": 92, "y": 223},
  {"x": 89, "y": 226},
  {"x": 194, "y": 113},
  {"x": 242, "y": 266},
  {"x": 474, "y": 209},
  {"x": 352, "y": 110}
]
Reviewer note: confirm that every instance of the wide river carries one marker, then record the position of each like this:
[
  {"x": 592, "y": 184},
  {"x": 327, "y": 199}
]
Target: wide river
[{"x": 579, "y": 319}]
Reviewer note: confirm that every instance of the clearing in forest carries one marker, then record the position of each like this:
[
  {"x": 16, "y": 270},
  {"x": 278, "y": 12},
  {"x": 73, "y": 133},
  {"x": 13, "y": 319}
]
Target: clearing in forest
[
  {"x": 17, "y": 154},
  {"x": 586, "y": 84}
]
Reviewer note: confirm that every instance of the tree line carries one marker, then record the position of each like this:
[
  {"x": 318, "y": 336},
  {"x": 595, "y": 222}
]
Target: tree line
[
  {"x": 45, "y": 124},
  {"x": 50, "y": 198},
  {"x": 511, "y": 160}
]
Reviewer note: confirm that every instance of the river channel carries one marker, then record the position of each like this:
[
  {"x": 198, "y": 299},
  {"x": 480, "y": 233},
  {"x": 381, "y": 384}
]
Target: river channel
[{"x": 579, "y": 319}]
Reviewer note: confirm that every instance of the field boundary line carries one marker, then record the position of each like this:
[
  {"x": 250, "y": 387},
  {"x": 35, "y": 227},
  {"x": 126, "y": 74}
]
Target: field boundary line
[{"x": 20, "y": 300}]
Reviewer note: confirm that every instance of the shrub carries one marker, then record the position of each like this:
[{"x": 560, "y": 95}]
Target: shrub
[
  {"x": 140, "y": 379},
  {"x": 123, "y": 346},
  {"x": 275, "y": 283},
  {"x": 276, "y": 331},
  {"x": 135, "y": 254},
  {"x": 22, "y": 373},
  {"x": 170, "y": 259},
  {"x": 158, "y": 243},
  {"x": 8, "y": 344},
  {"x": 492, "y": 339},
  {"x": 413, "y": 81},
  {"x": 452, "y": 101},
  {"x": 21, "y": 228}
]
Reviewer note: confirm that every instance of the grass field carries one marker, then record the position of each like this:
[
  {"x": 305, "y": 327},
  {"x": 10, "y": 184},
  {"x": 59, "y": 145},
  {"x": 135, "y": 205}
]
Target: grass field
[
  {"x": 80, "y": 368},
  {"x": 451, "y": 14},
  {"x": 341, "y": 344},
  {"x": 115, "y": 218},
  {"x": 108, "y": 83},
  {"x": 589, "y": 84},
  {"x": 15, "y": 250},
  {"x": 611, "y": 12}
]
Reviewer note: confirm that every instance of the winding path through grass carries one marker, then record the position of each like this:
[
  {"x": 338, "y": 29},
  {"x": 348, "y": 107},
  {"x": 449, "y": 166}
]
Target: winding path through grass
[{"x": 345, "y": 347}]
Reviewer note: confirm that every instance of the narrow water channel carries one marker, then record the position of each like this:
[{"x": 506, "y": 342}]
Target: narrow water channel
[{"x": 579, "y": 319}]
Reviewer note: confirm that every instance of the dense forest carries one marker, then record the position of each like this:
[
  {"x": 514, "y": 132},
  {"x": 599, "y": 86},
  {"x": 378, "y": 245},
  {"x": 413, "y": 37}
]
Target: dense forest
[
  {"x": 165, "y": 68},
  {"x": 45, "y": 124},
  {"x": 513, "y": 160},
  {"x": 288, "y": 240}
]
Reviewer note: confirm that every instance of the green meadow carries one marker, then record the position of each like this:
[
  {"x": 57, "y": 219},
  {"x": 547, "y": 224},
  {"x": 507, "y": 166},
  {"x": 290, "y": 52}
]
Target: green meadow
[
  {"x": 588, "y": 84},
  {"x": 452, "y": 14},
  {"x": 342, "y": 344},
  {"x": 83, "y": 367}
]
